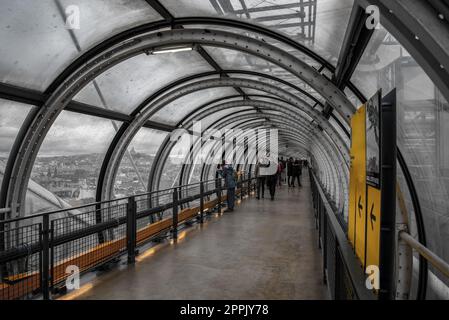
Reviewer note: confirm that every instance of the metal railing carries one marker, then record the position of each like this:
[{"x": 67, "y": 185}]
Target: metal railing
[
  {"x": 342, "y": 272},
  {"x": 39, "y": 250}
]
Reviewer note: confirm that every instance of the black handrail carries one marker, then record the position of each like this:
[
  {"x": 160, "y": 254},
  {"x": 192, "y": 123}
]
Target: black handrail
[{"x": 47, "y": 238}]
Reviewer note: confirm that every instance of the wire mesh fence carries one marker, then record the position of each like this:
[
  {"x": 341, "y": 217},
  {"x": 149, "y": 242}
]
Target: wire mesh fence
[{"x": 40, "y": 252}]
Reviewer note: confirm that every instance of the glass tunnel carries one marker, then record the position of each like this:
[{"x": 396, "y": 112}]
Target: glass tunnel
[{"x": 116, "y": 117}]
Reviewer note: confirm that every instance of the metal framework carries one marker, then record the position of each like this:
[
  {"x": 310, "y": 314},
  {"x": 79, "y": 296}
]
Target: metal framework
[
  {"x": 420, "y": 26},
  {"x": 145, "y": 114}
]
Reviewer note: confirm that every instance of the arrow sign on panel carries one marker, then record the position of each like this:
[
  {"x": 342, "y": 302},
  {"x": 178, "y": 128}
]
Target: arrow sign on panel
[
  {"x": 372, "y": 217},
  {"x": 360, "y": 206}
]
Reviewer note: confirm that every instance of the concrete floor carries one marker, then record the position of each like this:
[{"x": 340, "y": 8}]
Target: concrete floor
[{"x": 263, "y": 250}]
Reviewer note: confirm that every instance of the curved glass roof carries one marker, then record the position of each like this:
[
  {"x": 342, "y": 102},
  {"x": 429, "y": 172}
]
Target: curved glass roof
[{"x": 45, "y": 42}]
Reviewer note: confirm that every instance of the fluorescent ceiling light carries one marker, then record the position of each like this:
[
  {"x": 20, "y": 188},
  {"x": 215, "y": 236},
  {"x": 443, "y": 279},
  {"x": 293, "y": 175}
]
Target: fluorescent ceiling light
[{"x": 171, "y": 50}]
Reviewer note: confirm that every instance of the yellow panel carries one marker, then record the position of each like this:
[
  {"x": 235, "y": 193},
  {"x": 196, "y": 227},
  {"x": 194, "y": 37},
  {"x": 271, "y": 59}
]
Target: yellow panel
[
  {"x": 357, "y": 194},
  {"x": 373, "y": 227}
]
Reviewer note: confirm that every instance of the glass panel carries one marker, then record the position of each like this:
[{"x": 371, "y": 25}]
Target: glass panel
[
  {"x": 423, "y": 117},
  {"x": 320, "y": 24},
  {"x": 308, "y": 100},
  {"x": 287, "y": 48},
  {"x": 12, "y": 115},
  {"x": 39, "y": 27},
  {"x": 101, "y": 19},
  {"x": 134, "y": 170},
  {"x": 129, "y": 83},
  {"x": 33, "y": 27},
  {"x": 180, "y": 108},
  {"x": 220, "y": 115},
  {"x": 232, "y": 59},
  {"x": 186, "y": 8},
  {"x": 340, "y": 131},
  {"x": 70, "y": 158},
  {"x": 173, "y": 165}
]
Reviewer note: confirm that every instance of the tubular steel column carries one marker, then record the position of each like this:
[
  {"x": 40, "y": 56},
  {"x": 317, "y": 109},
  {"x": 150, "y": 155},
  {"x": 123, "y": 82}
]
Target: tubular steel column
[
  {"x": 45, "y": 271},
  {"x": 202, "y": 202},
  {"x": 388, "y": 201},
  {"x": 131, "y": 229},
  {"x": 175, "y": 213},
  {"x": 219, "y": 194},
  {"x": 249, "y": 183}
]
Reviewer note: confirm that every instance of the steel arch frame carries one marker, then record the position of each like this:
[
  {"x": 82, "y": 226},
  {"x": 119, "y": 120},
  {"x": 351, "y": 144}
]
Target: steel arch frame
[
  {"x": 415, "y": 24},
  {"x": 152, "y": 180},
  {"x": 263, "y": 105},
  {"x": 59, "y": 99},
  {"x": 342, "y": 179},
  {"x": 132, "y": 129},
  {"x": 324, "y": 157},
  {"x": 262, "y": 116}
]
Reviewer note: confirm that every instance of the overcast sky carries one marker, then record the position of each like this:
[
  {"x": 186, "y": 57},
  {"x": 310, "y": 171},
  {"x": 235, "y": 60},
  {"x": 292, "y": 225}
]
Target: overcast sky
[{"x": 71, "y": 134}]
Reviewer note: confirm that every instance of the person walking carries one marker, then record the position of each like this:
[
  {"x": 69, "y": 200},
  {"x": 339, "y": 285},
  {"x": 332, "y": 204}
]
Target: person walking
[
  {"x": 280, "y": 169},
  {"x": 272, "y": 181},
  {"x": 290, "y": 172},
  {"x": 227, "y": 172},
  {"x": 260, "y": 181},
  {"x": 284, "y": 171},
  {"x": 297, "y": 171}
]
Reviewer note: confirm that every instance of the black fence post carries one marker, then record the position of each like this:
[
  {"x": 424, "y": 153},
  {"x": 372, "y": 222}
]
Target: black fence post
[
  {"x": 201, "y": 202},
  {"x": 219, "y": 194},
  {"x": 45, "y": 257},
  {"x": 175, "y": 213},
  {"x": 249, "y": 184},
  {"x": 241, "y": 188},
  {"x": 131, "y": 229},
  {"x": 52, "y": 257}
]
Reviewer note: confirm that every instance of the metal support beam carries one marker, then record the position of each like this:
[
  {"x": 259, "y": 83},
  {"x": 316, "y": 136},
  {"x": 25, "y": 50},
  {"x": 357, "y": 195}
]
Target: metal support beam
[
  {"x": 63, "y": 93},
  {"x": 274, "y": 8},
  {"x": 157, "y": 6},
  {"x": 355, "y": 42},
  {"x": 419, "y": 29},
  {"x": 282, "y": 17}
]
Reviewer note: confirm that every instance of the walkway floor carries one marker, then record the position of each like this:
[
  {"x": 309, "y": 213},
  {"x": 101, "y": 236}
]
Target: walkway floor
[{"x": 263, "y": 250}]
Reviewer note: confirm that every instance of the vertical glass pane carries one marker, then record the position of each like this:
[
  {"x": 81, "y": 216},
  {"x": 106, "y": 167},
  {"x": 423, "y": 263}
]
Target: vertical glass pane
[
  {"x": 12, "y": 115},
  {"x": 129, "y": 83},
  {"x": 423, "y": 115},
  {"x": 132, "y": 176},
  {"x": 172, "y": 167},
  {"x": 70, "y": 159}
]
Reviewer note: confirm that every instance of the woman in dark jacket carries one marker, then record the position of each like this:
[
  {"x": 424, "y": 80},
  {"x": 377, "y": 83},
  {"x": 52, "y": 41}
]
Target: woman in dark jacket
[
  {"x": 297, "y": 171},
  {"x": 290, "y": 172}
]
